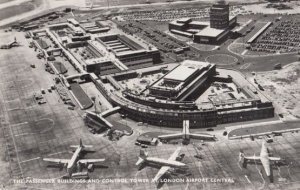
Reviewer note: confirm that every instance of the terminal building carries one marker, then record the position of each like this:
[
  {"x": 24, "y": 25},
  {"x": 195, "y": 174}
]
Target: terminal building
[
  {"x": 129, "y": 51},
  {"x": 183, "y": 79},
  {"x": 206, "y": 32},
  {"x": 102, "y": 51},
  {"x": 192, "y": 90}
]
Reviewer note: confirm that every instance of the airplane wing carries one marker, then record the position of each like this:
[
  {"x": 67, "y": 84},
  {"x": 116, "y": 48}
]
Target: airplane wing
[
  {"x": 175, "y": 154},
  {"x": 90, "y": 161},
  {"x": 266, "y": 164},
  {"x": 201, "y": 136},
  {"x": 171, "y": 136},
  {"x": 84, "y": 146},
  {"x": 56, "y": 160},
  {"x": 161, "y": 172},
  {"x": 274, "y": 158},
  {"x": 252, "y": 157}
]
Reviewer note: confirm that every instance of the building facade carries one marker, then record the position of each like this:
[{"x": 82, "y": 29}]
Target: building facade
[{"x": 219, "y": 15}]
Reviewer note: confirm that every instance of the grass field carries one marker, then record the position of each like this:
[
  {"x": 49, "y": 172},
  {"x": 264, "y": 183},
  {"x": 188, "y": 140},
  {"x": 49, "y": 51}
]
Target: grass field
[
  {"x": 81, "y": 96},
  {"x": 222, "y": 59},
  {"x": 19, "y": 9}
]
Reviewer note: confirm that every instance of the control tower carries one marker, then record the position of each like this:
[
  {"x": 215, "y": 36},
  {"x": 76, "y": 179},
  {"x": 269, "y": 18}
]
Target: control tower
[{"x": 219, "y": 15}]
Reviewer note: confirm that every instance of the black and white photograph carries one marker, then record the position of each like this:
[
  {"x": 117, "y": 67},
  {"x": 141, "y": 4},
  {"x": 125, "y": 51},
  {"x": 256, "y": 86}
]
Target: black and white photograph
[{"x": 149, "y": 94}]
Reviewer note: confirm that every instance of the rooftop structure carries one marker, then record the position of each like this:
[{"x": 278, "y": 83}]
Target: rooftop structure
[
  {"x": 177, "y": 81},
  {"x": 94, "y": 27},
  {"x": 130, "y": 51},
  {"x": 104, "y": 53},
  {"x": 206, "y": 32}
]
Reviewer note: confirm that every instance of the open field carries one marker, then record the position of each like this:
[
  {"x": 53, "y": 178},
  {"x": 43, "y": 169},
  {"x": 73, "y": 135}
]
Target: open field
[
  {"x": 222, "y": 59},
  {"x": 22, "y": 8},
  {"x": 282, "y": 88}
]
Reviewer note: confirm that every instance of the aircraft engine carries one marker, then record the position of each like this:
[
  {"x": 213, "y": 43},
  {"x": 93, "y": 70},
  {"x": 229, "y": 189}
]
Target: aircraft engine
[
  {"x": 79, "y": 166},
  {"x": 90, "y": 167}
]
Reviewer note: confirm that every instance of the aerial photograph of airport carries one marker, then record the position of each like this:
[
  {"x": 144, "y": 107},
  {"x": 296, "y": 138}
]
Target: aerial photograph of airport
[{"x": 149, "y": 94}]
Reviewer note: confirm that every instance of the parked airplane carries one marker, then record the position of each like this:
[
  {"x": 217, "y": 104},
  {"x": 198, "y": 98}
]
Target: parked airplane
[
  {"x": 166, "y": 165},
  {"x": 71, "y": 164},
  {"x": 186, "y": 134},
  {"x": 10, "y": 45},
  {"x": 265, "y": 134},
  {"x": 263, "y": 158}
]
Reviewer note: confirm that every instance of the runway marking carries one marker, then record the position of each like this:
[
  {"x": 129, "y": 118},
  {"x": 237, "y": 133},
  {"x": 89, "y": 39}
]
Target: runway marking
[
  {"x": 15, "y": 109},
  {"x": 16, "y": 149},
  {"x": 47, "y": 128},
  {"x": 279, "y": 172},
  {"x": 238, "y": 163},
  {"x": 30, "y": 160},
  {"x": 56, "y": 153},
  {"x": 259, "y": 171},
  {"x": 6, "y": 101},
  {"x": 13, "y": 125},
  {"x": 245, "y": 66},
  {"x": 244, "y": 52},
  {"x": 248, "y": 179},
  {"x": 23, "y": 134},
  {"x": 288, "y": 167}
]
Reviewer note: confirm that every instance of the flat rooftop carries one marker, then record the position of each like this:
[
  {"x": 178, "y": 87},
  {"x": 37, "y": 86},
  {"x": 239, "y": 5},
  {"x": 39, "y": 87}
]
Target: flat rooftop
[
  {"x": 181, "y": 20},
  {"x": 200, "y": 23},
  {"x": 100, "y": 60},
  {"x": 185, "y": 70},
  {"x": 181, "y": 73},
  {"x": 174, "y": 22},
  {"x": 210, "y": 32},
  {"x": 114, "y": 39}
]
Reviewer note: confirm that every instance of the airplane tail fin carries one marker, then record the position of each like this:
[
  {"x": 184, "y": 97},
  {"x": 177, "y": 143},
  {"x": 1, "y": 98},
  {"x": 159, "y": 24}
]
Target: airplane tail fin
[
  {"x": 186, "y": 127},
  {"x": 241, "y": 156},
  {"x": 143, "y": 154},
  {"x": 80, "y": 143},
  {"x": 242, "y": 159}
]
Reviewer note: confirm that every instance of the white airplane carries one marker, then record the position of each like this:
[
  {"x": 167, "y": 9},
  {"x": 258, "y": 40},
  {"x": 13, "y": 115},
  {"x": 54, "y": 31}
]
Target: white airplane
[
  {"x": 265, "y": 134},
  {"x": 263, "y": 158},
  {"x": 185, "y": 134},
  {"x": 71, "y": 164},
  {"x": 166, "y": 165}
]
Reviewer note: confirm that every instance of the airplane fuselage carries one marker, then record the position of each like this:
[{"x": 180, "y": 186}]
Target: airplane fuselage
[
  {"x": 164, "y": 162},
  {"x": 73, "y": 160}
]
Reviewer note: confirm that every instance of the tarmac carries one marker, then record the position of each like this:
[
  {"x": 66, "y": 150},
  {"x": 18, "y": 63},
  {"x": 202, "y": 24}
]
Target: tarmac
[{"x": 30, "y": 132}]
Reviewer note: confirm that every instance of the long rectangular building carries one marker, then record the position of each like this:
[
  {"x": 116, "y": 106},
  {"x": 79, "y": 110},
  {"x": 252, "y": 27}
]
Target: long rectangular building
[{"x": 129, "y": 51}]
